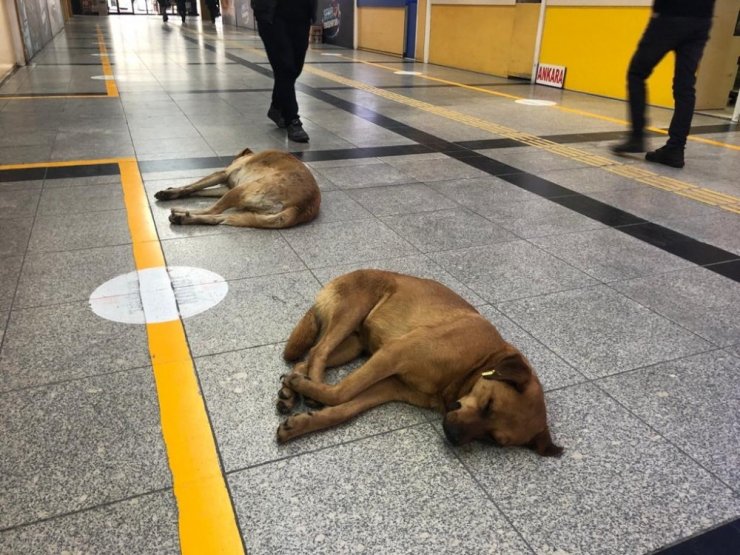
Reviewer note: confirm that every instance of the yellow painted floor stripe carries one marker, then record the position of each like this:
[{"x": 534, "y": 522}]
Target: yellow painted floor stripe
[
  {"x": 111, "y": 89},
  {"x": 207, "y": 522},
  {"x": 110, "y": 84}
]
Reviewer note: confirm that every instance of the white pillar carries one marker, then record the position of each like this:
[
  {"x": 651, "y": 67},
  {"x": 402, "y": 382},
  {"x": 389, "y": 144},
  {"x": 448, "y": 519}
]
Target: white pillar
[
  {"x": 427, "y": 30},
  {"x": 736, "y": 114},
  {"x": 538, "y": 40}
]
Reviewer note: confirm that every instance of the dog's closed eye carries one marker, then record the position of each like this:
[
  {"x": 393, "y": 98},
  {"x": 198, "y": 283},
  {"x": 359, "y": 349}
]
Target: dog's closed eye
[
  {"x": 454, "y": 406},
  {"x": 485, "y": 410}
]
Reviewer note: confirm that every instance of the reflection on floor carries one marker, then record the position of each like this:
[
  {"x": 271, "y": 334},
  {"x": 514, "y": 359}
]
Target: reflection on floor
[{"x": 621, "y": 290}]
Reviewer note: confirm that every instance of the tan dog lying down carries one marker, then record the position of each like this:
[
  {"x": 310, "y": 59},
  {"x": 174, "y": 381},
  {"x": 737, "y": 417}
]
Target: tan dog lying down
[
  {"x": 428, "y": 347},
  {"x": 272, "y": 189}
]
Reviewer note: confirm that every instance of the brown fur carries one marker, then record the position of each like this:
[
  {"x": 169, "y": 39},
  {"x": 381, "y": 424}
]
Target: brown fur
[
  {"x": 428, "y": 347},
  {"x": 272, "y": 189}
]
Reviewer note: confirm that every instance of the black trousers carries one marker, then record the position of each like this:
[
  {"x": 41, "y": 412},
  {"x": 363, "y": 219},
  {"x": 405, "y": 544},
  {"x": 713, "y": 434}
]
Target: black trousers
[
  {"x": 286, "y": 42},
  {"x": 686, "y": 36}
]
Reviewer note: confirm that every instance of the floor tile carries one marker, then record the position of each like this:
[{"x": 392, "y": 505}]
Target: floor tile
[
  {"x": 241, "y": 388},
  {"x": 338, "y": 206},
  {"x": 531, "y": 159},
  {"x": 78, "y": 200},
  {"x": 429, "y": 504},
  {"x": 61, "y": 277},
  {"x": 363, "y": 175},
  {"x": 655, "y": 205},
  {"x": 108, "y": 445},
  {"x": 618, "y": 488},
  {"x": 483, "y": 194},
  {"x": 31, "y": 185},
  {"x": 14, "y": 236},
  {"x": 266, "y": 309},
  {"x": 698, "y": 299},
  {"x": 69, "y": 341},
  {"x": 79, "y": 181},
  {"x": 401, "y": 199},
  {"x": 436, "y": 170},
  {"x": 79, "y": 231},
  {"x": 538, "y": 218},
  {"x": 610, "y": 255},
  {"x": 446, "y": 230},
  {"x": 337, "y": 243},
  {"x": 419, "y": 266},
  {"x": 249, "y": 253},
  {"x": 18, "y": 203},
  {"x": 600, "y": 332},
  {"x": 10, "y": 268},
  {"x": 511, "y": 270},
  {"x": 693, "y": 403},
  {"x": 589, "y": 180},
  {"x": 552, "y": 371},
  {"x": 146, "y": 524},
  {"x": 719, "y": 229}
]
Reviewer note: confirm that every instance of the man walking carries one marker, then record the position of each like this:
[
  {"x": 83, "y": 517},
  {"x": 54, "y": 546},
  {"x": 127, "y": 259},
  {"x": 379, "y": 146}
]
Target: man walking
[
  {"x": 681, "y": 26},
  {"x": 283, "y": 26}
]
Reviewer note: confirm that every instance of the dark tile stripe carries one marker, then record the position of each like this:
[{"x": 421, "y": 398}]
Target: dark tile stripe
[
  {"x": 54, "y": 94},
  {"x": 661, "y": 237},
  {"x": 723, "y": 540}
]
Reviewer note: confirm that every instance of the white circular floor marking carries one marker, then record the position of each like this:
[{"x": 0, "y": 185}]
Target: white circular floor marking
[
  {"x": 103, "y": 77},
  {"x": 158, "y": 295},
  {"x": 330, "y": 54},
  {"x": 535, "y": 102},
  {"x": 407, "y": 72}
]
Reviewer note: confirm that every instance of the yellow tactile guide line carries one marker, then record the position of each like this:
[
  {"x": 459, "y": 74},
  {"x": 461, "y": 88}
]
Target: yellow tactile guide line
[
  {"x": 639, "y": 174},
  {"x": 207, "y": 523}
]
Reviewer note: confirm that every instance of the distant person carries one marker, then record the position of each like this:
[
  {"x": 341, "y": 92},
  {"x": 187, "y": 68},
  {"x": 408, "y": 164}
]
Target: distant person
[
  {"x": 213, "y": 9},
  {"x": 283, "y": 26},
  {"x": 163, "y": 5},
  {"x": 681, "y": 26}
]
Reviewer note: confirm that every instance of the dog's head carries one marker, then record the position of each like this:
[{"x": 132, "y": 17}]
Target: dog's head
[
  {"x": 244, "y": 152},
  {"x": 506, "y": 405}
]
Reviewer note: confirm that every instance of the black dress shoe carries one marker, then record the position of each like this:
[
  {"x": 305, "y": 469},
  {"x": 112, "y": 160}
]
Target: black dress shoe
[
  {"x": 296, "y": 132},
  {"x": 275, "y": 115},
  {"x": 667, "y": 155},
  {"x": 631, "y": 145}
]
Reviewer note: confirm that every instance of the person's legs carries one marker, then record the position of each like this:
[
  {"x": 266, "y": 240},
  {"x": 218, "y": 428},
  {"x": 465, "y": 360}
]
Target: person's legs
[
  {"x": 181, "y": 9},
  {"x": 655, "y": 43},
  {"x": 278, "y": 41},
  {"x": 688, "y": 54}
]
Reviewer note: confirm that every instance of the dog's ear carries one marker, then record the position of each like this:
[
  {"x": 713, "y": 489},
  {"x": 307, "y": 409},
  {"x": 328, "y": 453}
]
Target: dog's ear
[
  {"x": 543, "y": 445},
  {"x": 513, "y": 370},
  {"x": 243, "y": 153}
]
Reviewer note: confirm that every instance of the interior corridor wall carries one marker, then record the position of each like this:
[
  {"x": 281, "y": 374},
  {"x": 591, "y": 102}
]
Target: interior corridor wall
[
  {"x": 39, "y": 21},
  {"x": 7, "y": 52},
  {"x": 595, "y": 44}
]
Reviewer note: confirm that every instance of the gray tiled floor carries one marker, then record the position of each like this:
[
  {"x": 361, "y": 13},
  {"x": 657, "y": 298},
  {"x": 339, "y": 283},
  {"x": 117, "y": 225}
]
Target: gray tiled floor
[{"x": 637, "y": 349}]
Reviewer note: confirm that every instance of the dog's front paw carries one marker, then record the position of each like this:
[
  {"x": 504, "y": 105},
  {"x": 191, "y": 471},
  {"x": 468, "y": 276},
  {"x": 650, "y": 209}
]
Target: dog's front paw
[
  {"x": 166, "y": 194},
  {"x": 294, "y": 426},
  {"x": 287, "y": 400}
]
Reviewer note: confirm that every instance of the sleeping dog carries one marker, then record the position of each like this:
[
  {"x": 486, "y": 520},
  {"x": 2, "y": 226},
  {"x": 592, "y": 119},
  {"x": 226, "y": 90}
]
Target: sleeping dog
[
  {"x": 272, "y": 189},
  {"x": 427, "y": 346}
]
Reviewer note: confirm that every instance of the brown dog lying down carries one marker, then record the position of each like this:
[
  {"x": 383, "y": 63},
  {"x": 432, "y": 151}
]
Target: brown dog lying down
[
  {"x": 428, "y": 347},
  {"x": 272, "y": 189}
]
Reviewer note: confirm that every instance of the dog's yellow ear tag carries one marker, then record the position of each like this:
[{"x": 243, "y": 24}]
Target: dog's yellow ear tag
[{"x": 488, "y": 374}]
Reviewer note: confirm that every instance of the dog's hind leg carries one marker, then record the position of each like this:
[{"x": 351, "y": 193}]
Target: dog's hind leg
[
  {"x": 385, "y": 391},
  {"x": 216, "y": 178}
]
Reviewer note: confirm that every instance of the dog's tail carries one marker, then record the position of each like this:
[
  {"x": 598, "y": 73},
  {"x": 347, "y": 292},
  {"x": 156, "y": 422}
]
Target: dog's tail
[{"x": 303, "y": 336}]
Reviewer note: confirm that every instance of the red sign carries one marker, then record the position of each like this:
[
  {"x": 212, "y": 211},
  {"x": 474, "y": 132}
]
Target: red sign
[{"x": 552, "y": 76}]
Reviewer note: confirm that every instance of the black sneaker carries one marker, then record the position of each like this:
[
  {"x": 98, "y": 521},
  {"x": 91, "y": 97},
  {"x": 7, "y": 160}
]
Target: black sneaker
[
  {"x": 296, "y": 132},
  {"x": 666, "y": 155},
  {"x": 631, "y": 145},
  {"x": 165, "y": 18},
  {"x": 275, "y": 115}
]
